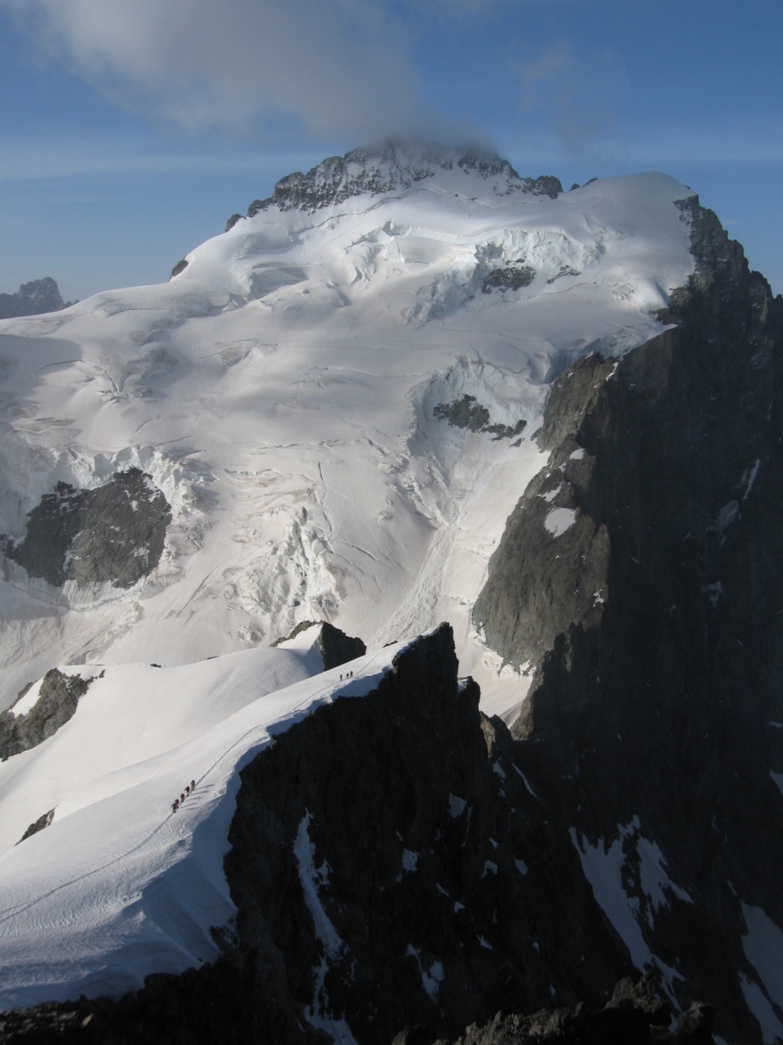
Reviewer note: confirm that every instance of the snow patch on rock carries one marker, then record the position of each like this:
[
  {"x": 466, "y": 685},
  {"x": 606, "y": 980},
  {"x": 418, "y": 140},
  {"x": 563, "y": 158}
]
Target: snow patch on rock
[
  {"x": 560, "y": 520},
  {"x": 431, "y": 978},
  {"x": 763, "y": 946},
  {"x": 630, "y": 884}
]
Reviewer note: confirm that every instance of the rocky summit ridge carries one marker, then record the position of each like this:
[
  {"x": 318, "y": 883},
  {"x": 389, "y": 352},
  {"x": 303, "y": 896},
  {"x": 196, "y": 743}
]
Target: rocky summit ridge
[{"x": 391, "y": 165}]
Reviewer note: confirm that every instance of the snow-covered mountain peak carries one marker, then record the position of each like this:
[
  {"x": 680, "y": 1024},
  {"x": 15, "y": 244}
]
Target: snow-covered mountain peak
[
  {"x": 395, "y": 164},
  {"x": 318, "y": 396},
  {"x": 383, "y": 401}
]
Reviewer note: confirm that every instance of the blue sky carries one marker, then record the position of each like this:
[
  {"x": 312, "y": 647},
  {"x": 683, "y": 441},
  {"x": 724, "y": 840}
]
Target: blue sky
[{"x": 132, "y": 129}]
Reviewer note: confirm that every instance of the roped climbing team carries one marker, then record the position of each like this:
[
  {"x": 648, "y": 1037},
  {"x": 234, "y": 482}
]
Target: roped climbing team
[{"x": 178, "y": 801}]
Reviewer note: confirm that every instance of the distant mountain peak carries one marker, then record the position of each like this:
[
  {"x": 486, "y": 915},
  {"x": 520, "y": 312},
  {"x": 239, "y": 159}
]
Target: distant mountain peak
[
  {"x": 394, "y": 164},
  {"x": 33, "y": 299}
]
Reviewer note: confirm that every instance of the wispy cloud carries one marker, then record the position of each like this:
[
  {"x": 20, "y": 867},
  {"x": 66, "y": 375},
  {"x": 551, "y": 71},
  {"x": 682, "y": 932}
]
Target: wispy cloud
[
  {"x": 569, "y": 92},
  {"x": 336, "y": 66},
  {"x": 549, "y": 66}
]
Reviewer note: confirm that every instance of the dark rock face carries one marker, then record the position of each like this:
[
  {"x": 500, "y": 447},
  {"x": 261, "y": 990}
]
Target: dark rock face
[
  {"x": 43, "y": 821},
  {"x": 549, "y": 572},
  {"x": 513, "y": 277},
  {"x": 336, "y": 647},
  {"x": 33, "y": 299},
  {"x": 635, "y": 1015},
  {"x": 394, "y": 164},
  {"x": 339, "y": 648},
  {"x": 468, "y": 413},
  {"x": 651, "y": 616},
  {"x": 57, "y": 699},
  {"x": 113, "y": 533},
  {"x": 179, "y": 267},
  {"x": 391, "y": 864}
]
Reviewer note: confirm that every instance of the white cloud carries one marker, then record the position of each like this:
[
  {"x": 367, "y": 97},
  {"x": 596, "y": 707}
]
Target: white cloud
[
  {"x": 551, "y": 64},
  {"x": 336, "y": 66},
  {"x": 571, "y": 92}
]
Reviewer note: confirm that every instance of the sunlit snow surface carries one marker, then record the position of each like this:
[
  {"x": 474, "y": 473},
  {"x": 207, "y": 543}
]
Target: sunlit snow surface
[
  {"x": 120, "y": 885},
  {"x": 280, "y": 391}
]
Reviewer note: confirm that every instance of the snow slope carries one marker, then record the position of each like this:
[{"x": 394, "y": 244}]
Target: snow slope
[
  {"x": 118, "y": 885},
  {"x": 280, "y": 391}
]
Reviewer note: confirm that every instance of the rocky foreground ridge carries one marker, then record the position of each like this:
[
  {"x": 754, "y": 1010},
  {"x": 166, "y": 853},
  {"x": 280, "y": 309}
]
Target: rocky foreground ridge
[{"x": 395, "y": 872}]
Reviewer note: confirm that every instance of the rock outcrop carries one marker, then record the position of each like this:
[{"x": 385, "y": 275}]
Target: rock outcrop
[
  {"x": 512, "y": 277},
  {"x": 42, "y": 822},
  {"x": 337, "y": 647},
  {"x": 181, "y": 265},
  {"x": 58, "y": 696},
  {"x": 636, "y": 1014},
  {"x": 113, "y": 533},
  {"x": 468, "y": 413}
]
